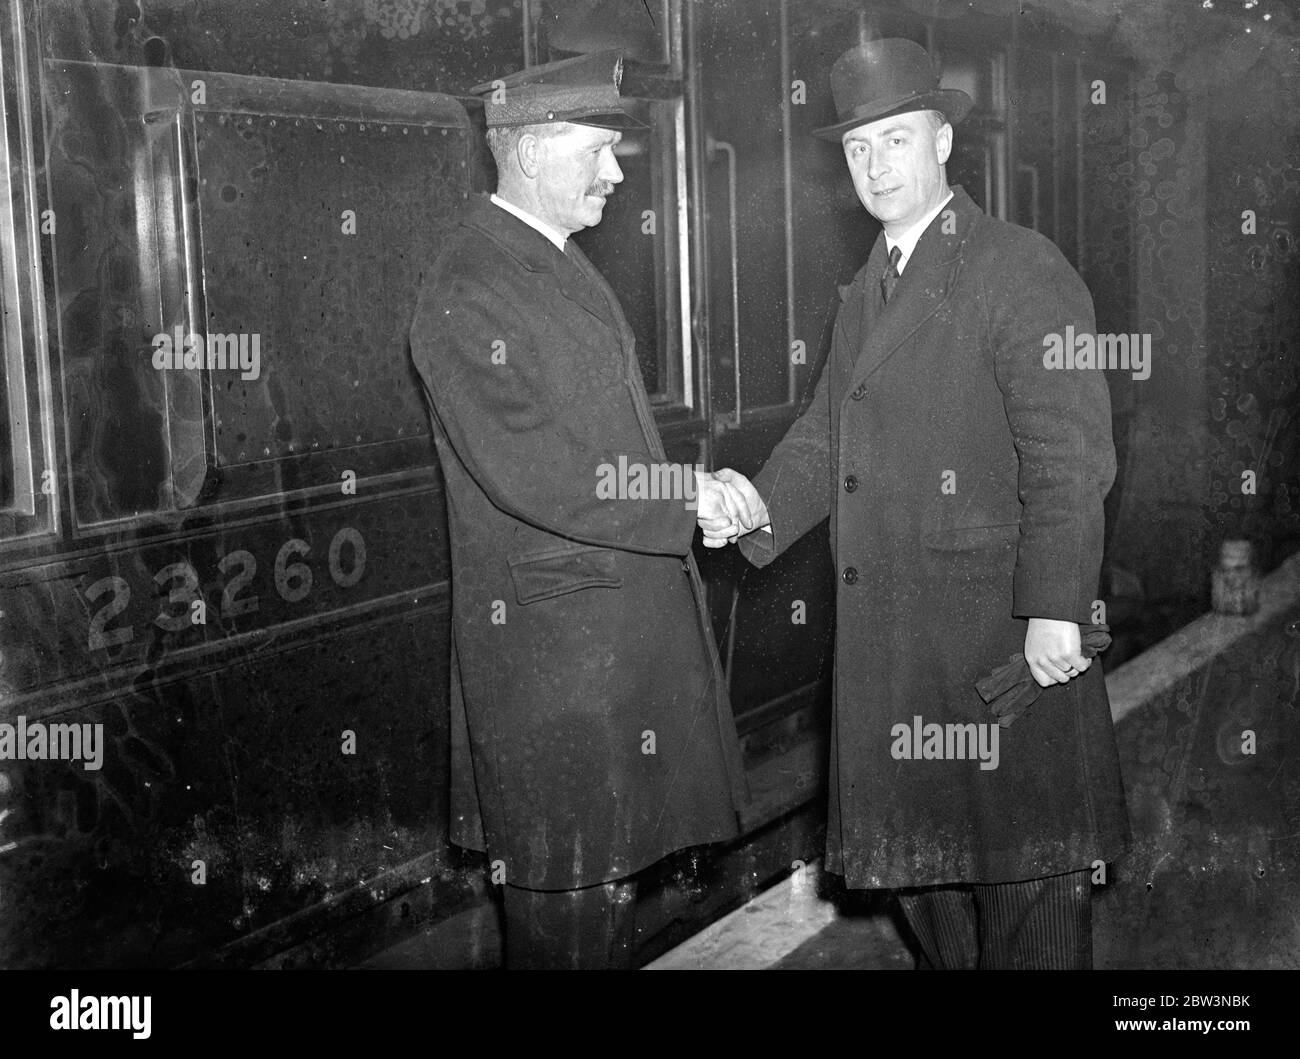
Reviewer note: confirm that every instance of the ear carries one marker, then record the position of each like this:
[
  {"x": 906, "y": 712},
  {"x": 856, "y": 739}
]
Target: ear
[
  {"x": 943, "y": 143},
  {"x": 528, "y": 155}
]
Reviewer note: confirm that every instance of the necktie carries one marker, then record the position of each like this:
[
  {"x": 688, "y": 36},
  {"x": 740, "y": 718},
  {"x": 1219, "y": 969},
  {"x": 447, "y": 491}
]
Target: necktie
[{"x": 890, "y": 279}]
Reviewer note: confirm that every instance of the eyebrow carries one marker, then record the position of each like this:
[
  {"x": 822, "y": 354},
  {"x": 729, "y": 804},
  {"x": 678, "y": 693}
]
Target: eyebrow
[{"x": 886, "y": 132}]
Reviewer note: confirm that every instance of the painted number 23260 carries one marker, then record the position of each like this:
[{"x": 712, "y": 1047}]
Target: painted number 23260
[{"x": 293, "y": 581}]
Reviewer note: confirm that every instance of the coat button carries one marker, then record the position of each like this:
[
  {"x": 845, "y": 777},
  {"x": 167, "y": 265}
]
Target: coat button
[
  {"x": 850, "y": 575},
  {"x": 859, "y": 393},
  {"x": 850, "y": 483}
]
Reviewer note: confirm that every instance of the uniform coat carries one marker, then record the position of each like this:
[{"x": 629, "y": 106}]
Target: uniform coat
[
  {"x": 947, "y": 385},
  {"x": 591, "y": 731}
]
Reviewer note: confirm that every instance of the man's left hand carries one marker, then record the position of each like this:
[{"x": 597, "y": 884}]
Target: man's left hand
[{"x": 1053, "y": 651}]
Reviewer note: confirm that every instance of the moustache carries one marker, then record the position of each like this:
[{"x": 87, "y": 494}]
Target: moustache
[{"x": 604, "y": 190}]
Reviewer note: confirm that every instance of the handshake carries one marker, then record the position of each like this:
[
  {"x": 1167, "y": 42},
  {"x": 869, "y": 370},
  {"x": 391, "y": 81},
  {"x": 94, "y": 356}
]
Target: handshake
[{"x": 729, "y": 506}]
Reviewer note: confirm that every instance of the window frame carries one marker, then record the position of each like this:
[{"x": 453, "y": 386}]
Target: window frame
[
  {"x": 658, "y": 84},
  {"x": 32, "y": 512}
]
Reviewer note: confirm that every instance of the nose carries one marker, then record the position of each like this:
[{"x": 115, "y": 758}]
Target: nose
[
  {"x": 875, "y": 166},
  {"x": 609, "y": 168}
]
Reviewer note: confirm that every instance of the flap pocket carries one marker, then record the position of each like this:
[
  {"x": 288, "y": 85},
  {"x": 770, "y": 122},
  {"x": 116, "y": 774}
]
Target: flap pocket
[
  {"x": 556, "y": 571},
  {"x": 972, "y": 538}
]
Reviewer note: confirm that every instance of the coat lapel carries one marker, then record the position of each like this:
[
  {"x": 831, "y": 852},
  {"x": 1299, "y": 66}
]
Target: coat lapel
[
  {"x": 610, "y": 311},
  {"x": 536, "y": 253},
  {"x": 627, "y": 340},
  {"x": 581, "y": 283},
  {"x": 925, "y": 284}
]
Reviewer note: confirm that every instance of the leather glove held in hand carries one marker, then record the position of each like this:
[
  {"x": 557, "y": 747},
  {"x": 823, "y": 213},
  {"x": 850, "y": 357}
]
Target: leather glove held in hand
[{"x": 1011, "y": 689}]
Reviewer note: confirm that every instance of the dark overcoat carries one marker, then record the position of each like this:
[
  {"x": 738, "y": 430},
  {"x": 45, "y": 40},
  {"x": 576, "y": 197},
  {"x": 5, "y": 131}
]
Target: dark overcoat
[
  {"x": 591, "y": 730},
  {"x": 964, "y": 483}
]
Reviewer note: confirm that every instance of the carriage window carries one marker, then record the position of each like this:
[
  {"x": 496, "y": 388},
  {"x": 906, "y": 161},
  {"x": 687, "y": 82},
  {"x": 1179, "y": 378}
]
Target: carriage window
[
  {"x": 640, "y": 244},
  {"x": 643, "y": 29},
  {"x": 26, "y": 483},
  {"x": 636, "y": 248},
  {"x": 979, "y": 153}
]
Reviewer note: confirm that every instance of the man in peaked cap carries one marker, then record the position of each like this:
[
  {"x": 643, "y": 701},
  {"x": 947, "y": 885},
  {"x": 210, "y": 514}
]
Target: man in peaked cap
[
  {"x": 964, "y": 483},
  {"x": 590, "y": 726}
]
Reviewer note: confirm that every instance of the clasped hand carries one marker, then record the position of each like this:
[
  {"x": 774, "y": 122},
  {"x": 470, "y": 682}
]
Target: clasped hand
[
  {"x": 1053, "y": 651},
  {"x": 729, "y": 506}
]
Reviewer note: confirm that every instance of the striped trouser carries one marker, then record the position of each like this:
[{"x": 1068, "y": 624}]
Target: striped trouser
[{"x": 1043, "y": 924}]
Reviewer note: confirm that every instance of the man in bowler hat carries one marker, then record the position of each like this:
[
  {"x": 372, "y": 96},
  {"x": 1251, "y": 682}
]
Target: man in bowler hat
[
  {"x": 964, "y": 483},
  {"x": 590, "y": 726}
]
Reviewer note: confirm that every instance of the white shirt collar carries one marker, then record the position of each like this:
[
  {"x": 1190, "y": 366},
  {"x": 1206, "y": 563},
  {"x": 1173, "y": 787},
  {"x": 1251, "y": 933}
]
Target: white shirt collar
[
  {"x": 908, "y": 240},
  {"x": 553, "y": 234}
]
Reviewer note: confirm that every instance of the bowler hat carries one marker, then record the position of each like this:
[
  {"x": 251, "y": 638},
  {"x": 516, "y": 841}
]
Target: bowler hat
[
  {"x": 582, "y": 90},
  {"x": 886, "y": 77}
]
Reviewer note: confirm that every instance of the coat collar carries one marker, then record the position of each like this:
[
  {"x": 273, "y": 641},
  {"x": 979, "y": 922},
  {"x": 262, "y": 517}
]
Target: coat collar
[
  {"x": 521, "y": 241},
  {"x": 535, "y": 253},
  {"x": 925, "y": 284}
]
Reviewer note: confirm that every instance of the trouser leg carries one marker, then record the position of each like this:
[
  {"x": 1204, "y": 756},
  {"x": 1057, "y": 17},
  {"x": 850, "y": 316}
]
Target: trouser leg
[
  {"x": 1040, "y": 924},
  {"x": 943, "y": 920},
  {"x": 588, "y": 929}
]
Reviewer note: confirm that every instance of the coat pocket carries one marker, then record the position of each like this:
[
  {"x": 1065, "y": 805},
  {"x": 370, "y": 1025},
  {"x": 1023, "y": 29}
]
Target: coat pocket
[
  {"x": 973, "y": 538},
  {"x": 558, "y": 571}
]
